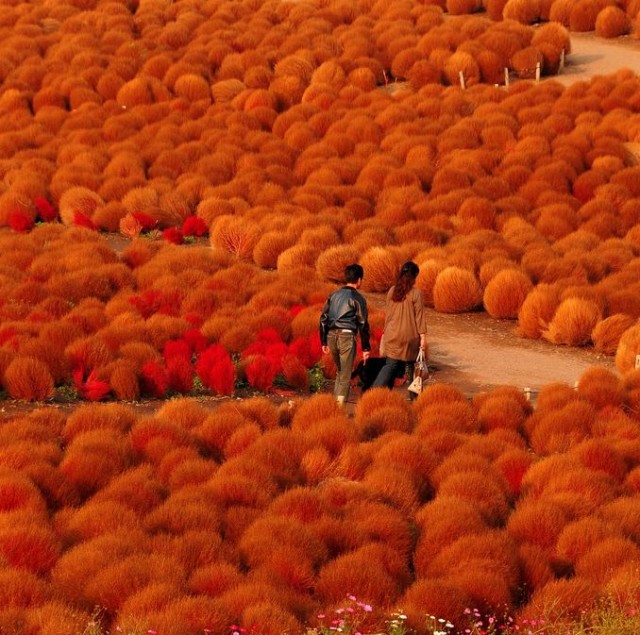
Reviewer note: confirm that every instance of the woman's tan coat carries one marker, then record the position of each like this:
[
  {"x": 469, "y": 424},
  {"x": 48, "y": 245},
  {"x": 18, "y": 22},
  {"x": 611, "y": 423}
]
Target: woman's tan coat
[{"x": 403, "y": 324}]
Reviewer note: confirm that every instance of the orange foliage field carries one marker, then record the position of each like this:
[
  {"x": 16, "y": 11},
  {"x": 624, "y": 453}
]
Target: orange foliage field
[
  {"x": 191, "y": 519},
  {"x": 250, "y": 150}
]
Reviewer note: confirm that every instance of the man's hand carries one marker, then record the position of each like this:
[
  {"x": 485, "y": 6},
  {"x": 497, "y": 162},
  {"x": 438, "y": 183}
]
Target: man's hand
[
  {"x": 325, "y": 349},
  {"x": 365, "y": 356}
]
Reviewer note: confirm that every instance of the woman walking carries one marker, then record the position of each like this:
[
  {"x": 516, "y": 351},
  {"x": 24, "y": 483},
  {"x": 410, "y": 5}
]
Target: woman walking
[{"x": 405, "y": 326}]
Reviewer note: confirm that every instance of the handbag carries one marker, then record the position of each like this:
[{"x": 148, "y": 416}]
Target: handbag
[{"x": 419, "y": 372}]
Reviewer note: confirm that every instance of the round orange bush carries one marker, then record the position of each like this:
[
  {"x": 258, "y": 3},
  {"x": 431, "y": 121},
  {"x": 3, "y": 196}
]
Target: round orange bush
[
  {"x": 537, "y": 522},
  {"x": 505, "y": 293},
  {"x": 607, "y": 333},
  {"x": 580, "y": 536},
  {"x": 367, "y": 571},
  {"x": 461, "y": 64},
  {"x": 522, "y": 11},
  {"x": 628, "y": 349},
  {"x": 612, "y": 22},
  {"x": 565, "y": 599},
  {"x": 601, "y": 386},
  {"x": 484, "y": 490},
  {"x": 381, "y": 267},
  {"x": 563, "y": 428},
  {"x": 489, "y": 551},
  {"x": 573, "y": 322},
  {"x": 605, "y": 557},
  {"x": 433, "y": 596},
  {"x": 332, "y": 261},
  {"x": 28, "y": 378},
  {"x": 502, "y": 412},
  {"x": 456, "y": 290}
]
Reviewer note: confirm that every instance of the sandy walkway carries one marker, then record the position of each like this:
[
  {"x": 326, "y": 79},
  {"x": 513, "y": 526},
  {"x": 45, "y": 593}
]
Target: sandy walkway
[{"x": 591, "y": 56}]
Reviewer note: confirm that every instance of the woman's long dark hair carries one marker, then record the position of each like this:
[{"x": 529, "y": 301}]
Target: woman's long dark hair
[{"x": 406, "y": 279}]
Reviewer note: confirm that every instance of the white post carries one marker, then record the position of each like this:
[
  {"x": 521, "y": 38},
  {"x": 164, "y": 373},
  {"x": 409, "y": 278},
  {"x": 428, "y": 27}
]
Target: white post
[
  {"x": 506, "y": 77},
  {"x": 461, "y": 75},
  {"x": 538, "y": 72}
]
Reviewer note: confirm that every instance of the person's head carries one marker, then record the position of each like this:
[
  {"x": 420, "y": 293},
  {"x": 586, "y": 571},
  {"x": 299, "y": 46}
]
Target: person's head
[
  {"x": 353, "y": 274},
  {"x": 405, "y": 281},
  {"x": 409, "y": 270}
]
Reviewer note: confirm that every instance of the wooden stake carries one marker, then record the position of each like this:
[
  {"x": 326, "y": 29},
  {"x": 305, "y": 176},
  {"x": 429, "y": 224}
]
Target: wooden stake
[
  {"x": 461, "y": 80},
  {"x": 506, "y": 77},
  {"x": 538, "y": 72},
  {"x": 562, "y": 54}
]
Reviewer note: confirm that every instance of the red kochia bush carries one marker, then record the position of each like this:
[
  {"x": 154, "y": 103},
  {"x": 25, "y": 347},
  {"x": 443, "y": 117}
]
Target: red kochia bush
[
  {"x": 19, "y": 493},
  {"x": 607, "y": 333},
  {"x": 287, "y": 568},
  {"x": 488, "y": 552},
  {"x": 217, "y": 428},
  {"x": 153, "y": 379},
  {"x": 403, "y": 453},
  {"x": 573, "y": 322},
  {"x": 381, "y": 410},
  {"x": 441, "y": 522},
  {"x": 563, "y": 428},
  {"x": 138, "y": 488},
  {"x": 505, "y": 293},
  {"x": 241, "y": 440},
  {"x": 565, "y": 599},
  {"x": 456, "y": 290},
  {"x": 273, "y": 619},
  {"x": 624, "y": 515},
  {"x": 90, "y": 386},
  {"x": 580, "y": 536},
  {"x": 215, "y": 578},
  {"x": 433, "y": 596},
  {"x": 605, "y": 557},
  {"x": 122, "y": 377},
  {"x": 537, "y": 522},
  {"x": 95, "y": 519},
  {"x": 482, "y": 489},
  {"x": 20, "y": 588},
  {"x": 269, "y": 532},
  {"x": 393, "y": 485},
  {"x": 612, "y": 22},
  {"x": 87, "y": 417},
  {"x": 192, "y": 615},
  {"x": 372, "y": 573},
  {"x": 455, "y": 416},
  {"x": 93, "y": 458},
  {"x": 216, "y": 370},
  {"x": 32, "y": 548},
  {"x": 261, "y": 371},
  {"x": 28, "y": 378},
  {"x": 295, "y": 372},
  {"x": 628, "y": 348},
  {"x": 601, "y": 387},
  {"x": 180, "y": 375}
]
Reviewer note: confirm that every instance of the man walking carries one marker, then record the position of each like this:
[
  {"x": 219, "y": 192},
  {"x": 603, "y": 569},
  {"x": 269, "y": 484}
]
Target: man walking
[{"x": 343, "y": 316}]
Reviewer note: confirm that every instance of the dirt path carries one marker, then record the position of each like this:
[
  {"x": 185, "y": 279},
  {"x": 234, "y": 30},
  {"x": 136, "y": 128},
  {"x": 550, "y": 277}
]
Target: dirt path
[
  {"x": 591, "y": 56},
  {"x": 476, "y": 353}
]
